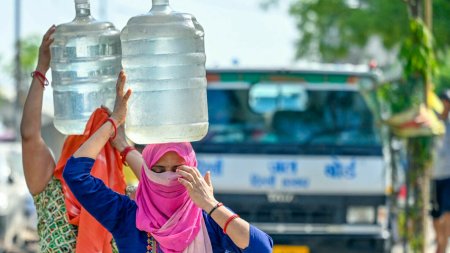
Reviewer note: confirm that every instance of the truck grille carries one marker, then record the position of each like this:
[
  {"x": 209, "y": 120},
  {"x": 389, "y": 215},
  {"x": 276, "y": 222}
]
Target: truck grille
[{"x": 289, "y": 214}]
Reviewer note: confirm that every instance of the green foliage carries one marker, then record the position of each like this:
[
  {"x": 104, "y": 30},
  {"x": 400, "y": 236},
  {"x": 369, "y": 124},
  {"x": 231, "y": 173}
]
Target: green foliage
[
  {"x": 333, "y": 26},
  {"x": 29, "y": 53},
  {"x": 441, "y": 24},
  {"x": 417, "y": 54},
  {"x": 399, "y": 96},
  {"x": 329, "y": 28},
  {"x": 442, "y": 81}
]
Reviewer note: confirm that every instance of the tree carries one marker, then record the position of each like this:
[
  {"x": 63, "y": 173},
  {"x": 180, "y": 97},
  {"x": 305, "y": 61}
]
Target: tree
[{"x": 330, "y": 29}]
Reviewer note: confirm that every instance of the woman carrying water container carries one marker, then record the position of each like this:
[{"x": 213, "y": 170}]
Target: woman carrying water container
[
  {"x": 58, "y": 228},
  {"x": 175, "y": 209}
]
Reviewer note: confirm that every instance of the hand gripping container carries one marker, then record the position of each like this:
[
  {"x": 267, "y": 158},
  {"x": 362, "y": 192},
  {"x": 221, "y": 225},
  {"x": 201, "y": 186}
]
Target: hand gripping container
[{"x": 164, "y": 59}]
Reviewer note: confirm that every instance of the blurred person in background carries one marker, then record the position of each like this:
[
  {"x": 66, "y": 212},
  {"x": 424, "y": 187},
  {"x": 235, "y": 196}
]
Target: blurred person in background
[
  {"x": 441, "y": 181},
  {"x": 175, "y": 210},
  {"x": 58, "y": 228}
]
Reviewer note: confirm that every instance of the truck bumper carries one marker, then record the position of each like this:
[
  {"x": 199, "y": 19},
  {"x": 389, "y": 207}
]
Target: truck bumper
[{"x": 331, "y": 238}]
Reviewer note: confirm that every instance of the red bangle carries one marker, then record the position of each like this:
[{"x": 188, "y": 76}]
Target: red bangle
[
  {"x": 234, "y": 216},
  {"x": 125, "y": 152},
  {"x": 41, "y": 77},
  {"x": 115, "y": 128}
]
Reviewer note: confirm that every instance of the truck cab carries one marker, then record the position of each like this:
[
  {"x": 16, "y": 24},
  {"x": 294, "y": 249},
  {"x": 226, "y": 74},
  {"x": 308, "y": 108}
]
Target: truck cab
[{"x": 297, "y": 153}]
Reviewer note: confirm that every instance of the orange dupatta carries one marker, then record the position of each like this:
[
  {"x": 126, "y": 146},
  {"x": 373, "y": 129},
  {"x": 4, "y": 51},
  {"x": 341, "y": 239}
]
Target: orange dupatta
[{"x": 92, "y": 236}]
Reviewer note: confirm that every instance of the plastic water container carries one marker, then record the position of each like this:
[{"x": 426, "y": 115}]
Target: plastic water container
[
  {"x": 86, "y": 60},
  {"x": 164, "y": 59}
]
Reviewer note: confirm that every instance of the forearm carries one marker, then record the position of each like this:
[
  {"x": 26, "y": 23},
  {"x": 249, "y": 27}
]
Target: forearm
[
  {"x": 133, "y": 158},
  {"x": 135, "y": 161},
  {"x": 92, "y": 147},
  {"x": 238, "y": 229},
  {"x": 30, "y": 127}
]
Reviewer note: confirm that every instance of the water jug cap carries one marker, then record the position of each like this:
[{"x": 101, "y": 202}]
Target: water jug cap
[{"x": 81, "y": 1}]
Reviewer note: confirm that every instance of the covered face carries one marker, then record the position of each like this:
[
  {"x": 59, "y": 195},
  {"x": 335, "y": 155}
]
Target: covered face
[
  {"x": 154, "y": 152},
  {"x": 165, "y": 158},
  {"x": 165, "y": 209}
]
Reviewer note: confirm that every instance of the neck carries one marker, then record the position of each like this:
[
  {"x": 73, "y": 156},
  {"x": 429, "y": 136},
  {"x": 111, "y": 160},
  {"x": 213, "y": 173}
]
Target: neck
[
  {"x": 161, "y": 7},
  {"x": 83, "y": 9},
  {"x": 160, "y": 2}
]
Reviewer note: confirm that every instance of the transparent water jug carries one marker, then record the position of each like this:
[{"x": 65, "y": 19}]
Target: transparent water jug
[
  {"x": 86, "y": 59},
  {"x": 163, "y": 55}
]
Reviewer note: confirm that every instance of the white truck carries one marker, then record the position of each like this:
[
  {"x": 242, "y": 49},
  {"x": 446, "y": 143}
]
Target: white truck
[{"x": 296, "y": 153}]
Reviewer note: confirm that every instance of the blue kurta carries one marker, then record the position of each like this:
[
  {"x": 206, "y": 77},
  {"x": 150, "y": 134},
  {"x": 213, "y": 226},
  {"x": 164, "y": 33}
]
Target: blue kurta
[{"x": 117, "y": 213}]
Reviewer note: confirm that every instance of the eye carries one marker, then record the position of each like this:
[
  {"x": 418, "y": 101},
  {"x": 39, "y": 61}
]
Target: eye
[{"x": 158, "y": 169}]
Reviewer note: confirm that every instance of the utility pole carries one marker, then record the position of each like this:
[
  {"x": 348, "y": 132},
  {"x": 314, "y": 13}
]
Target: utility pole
[
  {"x": 428, "y": 19},
  {"x": 18, "y": 72},
  {"x": 429, "y": 14}
]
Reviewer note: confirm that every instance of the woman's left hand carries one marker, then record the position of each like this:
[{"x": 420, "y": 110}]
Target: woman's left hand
[{"x": 200, "y": 188}]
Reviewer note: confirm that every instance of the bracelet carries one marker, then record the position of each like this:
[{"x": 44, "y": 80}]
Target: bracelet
[
  {"x": 41, "y": 77},
  {"x": 115, "y": 128},
  {"x": 234, "y": 216},
  {"x": 215, "y": 207},
  {"x": 125, "y": 152}
]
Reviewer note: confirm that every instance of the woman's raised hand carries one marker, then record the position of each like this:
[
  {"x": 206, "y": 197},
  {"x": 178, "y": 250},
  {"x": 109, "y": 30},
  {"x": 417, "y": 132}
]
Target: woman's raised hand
[
  {"x": 200, "y": 188},
  {"x": 120, "y": 142},
  {"x": 120, "y": 107},
  {"x": 44, "y": 51}
]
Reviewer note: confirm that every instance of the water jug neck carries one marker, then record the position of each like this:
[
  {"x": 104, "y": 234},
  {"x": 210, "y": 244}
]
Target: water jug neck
[
  {"x": 160, "y": 2},
  {"x": 82, "y": 8},
  {"x": 160, "y": 7}
]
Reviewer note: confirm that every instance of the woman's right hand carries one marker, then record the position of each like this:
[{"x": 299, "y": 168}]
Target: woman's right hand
[
  {"x": 120, "y": 107},
  {"x": 44, "y": 51},
  {"x": 120, "y": 142}
]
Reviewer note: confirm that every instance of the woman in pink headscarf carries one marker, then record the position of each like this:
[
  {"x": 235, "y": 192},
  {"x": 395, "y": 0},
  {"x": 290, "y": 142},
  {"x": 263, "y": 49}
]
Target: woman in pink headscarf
[{"x": 175, "y": 210}]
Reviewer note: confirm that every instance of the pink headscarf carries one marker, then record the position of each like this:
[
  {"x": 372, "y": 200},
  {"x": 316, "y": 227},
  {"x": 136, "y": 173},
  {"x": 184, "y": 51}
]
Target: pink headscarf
[{"x": 165, "y": 209}]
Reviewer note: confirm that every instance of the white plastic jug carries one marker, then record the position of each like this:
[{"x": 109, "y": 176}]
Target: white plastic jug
[
  {"x": 86, "y": 60},
  {"x": 164, "y": 59}
]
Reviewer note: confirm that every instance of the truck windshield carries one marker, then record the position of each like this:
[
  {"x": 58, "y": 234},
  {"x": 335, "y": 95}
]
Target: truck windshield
[{"x": 292, "y": 121}]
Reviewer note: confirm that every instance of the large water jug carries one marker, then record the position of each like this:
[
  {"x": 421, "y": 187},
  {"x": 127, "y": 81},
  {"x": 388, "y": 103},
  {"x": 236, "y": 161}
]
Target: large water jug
[
  {"x": 164, "y": 59},
  {"x": 86, "y": 59}
]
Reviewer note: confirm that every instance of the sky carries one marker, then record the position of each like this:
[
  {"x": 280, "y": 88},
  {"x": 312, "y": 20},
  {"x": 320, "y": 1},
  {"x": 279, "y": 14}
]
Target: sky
[{"x": 235, "y": 30}]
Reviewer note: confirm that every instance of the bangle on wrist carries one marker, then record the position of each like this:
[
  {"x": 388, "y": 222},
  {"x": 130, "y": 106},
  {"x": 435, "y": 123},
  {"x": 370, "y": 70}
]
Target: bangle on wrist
[
  {"x": 215, "y": 207},
  {"x": 234, "y": 216},
  {"x": 125, "y": 152},
  {"x": 40, "y": 77},
  {"x": 114, "y": 126}
]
